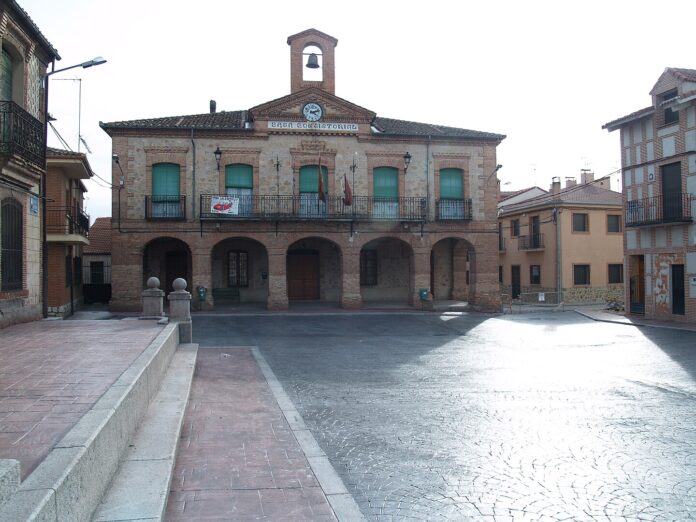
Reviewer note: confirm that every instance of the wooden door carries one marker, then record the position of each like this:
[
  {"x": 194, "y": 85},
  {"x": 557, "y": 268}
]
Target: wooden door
[
  {"x": 303, "y": 275},
  {"x": 637, "y": 284}
]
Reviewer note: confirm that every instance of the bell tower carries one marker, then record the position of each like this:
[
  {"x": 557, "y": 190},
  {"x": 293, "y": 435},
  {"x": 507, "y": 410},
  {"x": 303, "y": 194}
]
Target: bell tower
[{"x": 312, "y": 50}]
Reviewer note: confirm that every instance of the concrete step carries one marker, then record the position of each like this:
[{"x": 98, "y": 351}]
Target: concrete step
[
  {"x": 70, "y": 482},
  {"x": 140, "y": 489}
]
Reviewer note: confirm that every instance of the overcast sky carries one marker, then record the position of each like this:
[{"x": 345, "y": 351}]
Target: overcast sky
[{"x": 548, "y": 74}]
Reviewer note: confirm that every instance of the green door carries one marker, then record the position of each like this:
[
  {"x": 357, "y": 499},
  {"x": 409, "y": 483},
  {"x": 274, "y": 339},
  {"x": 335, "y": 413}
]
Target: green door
[
  {"x": 165, "y": 191},
  {"x": 239, "y": 183},
  {"x": 451, "y": 204},
  {"x": 310, "y": 203},
  {"x": 385, "y": 188}
]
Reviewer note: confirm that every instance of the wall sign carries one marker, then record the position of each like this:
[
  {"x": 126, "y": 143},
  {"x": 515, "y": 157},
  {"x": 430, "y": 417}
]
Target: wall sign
[
  {"x": 313, "y": 125},
  {"x": 34, "y": 205}
]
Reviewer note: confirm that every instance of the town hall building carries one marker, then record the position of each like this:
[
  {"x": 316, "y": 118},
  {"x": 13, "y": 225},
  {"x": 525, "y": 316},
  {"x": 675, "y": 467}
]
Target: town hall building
[{"x": 308, "y": 197}]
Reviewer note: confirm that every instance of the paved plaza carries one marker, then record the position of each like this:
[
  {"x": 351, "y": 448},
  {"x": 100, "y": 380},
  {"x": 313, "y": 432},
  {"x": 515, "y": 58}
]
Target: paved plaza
[{"x": 460, "y": 416}]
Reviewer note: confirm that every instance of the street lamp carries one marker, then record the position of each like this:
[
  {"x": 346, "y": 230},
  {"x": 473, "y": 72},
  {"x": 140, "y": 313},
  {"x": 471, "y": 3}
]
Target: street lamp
[
  {"x": 407, "y": 161},
  {"x": 44, "y": 243},
  {"x": 218, "y": 157}
]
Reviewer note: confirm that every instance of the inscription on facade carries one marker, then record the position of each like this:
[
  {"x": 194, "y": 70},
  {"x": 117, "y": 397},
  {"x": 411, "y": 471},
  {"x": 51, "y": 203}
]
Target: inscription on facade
[{"x": 306, "y": 125}]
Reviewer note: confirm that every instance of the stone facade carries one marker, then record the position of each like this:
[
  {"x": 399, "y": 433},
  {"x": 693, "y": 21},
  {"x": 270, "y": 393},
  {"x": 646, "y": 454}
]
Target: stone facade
[
  {"x": 658, "y": 157},
  {"x": 276, "y": 249}
]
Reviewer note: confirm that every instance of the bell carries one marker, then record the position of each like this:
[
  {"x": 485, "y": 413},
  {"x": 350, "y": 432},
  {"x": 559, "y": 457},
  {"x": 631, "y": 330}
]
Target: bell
[{"x": 312, "y": 61}]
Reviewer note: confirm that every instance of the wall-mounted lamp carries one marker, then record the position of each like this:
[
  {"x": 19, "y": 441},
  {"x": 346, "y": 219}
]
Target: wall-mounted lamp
[
  {"x": 218, "y": 157},
  {"x": 496, "y": 169},
  {"x": 407, "y": 161}
]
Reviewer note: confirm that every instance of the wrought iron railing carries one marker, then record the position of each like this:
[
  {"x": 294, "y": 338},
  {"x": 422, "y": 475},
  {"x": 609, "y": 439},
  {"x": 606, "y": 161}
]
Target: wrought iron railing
[
  {"x": 531, "y": 242},
  {"x": 671, "y": 208},
  {"x": 21, "y": 134},
  {"x": 165, "y": 208},
  {"x": 453, "y": 209},
  {"x": 310, "y": 207},
  {"x": 66, "y": 220}
]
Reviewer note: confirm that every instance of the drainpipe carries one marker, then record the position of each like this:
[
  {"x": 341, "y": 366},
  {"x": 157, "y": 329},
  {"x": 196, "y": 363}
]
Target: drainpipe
[
  {"x": 427, "y": 178},
  {"x": 559, "y": 281},
  {"x": 193, "y": 175}
]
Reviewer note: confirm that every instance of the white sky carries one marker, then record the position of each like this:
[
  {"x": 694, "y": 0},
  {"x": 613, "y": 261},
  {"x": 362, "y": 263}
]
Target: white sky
[{"x": 548, "y": 74}]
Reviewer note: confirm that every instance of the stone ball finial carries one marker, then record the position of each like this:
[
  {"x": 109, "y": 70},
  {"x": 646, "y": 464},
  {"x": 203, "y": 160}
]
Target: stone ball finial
[
  {"x": 179, "y": 284},
  {"x": 153, "y": 282}
]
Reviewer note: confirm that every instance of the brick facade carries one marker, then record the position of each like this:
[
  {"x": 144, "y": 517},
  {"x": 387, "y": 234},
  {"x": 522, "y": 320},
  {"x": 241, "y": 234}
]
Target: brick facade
[{"x": 250, "y": 259}]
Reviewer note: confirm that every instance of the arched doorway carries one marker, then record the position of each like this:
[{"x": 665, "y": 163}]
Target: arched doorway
[
  {"x": 385, "y": 271},
  {"x": 451, "y": 264},
  {"x": 239, "y": 271},
  {"x": 167, "y": 259},
  {"x": 314, "y": 270}
]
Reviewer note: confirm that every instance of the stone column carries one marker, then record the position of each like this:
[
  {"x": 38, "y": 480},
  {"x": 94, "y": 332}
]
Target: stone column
[
  {"x": 350, "y": 291},
  {"x": 180, "y": 309},
  {"x": 460, "y": 289},
  {"x": 420, "y": 278},
  {"x": 277, "y": 280},
  {"x": 153, "y": 299}
]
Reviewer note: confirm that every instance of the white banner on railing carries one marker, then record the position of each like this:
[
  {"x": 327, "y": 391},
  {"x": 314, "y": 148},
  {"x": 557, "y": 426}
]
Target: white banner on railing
[{"x": 224, "y": 205}]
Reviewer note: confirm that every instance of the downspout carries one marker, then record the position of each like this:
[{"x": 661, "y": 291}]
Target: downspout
[
  {"x": 193, "y": 176},
  {"x": 427, "y": 178},
  {"x": 44, "y": 221},
  {"x": 559, "y": 279}
]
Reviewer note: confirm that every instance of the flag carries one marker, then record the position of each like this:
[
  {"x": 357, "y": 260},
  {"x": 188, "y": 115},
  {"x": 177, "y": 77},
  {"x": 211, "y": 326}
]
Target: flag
[
  {"x": 347, "y": 192},
  {"x": 322, "y": 195}
]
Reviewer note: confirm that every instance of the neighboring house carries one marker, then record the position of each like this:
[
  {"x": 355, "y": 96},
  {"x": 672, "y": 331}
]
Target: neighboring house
[
  {"x": 96, "y": 263},
  {"x": 253, "y": 205},
  {"x": 565, "y": 244},
  {"x": 67, "y": 227},
  {"x": 658, "y": 157},
  {"x": 25, "y": 56},
  {"x": 519, "y": 195}
]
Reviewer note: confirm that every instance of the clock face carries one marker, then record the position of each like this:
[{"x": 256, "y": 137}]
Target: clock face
[{"x": 312, "y": 111}]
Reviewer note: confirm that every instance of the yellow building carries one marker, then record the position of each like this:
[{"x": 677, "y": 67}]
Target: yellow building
[{"x": 563, "y": 246}]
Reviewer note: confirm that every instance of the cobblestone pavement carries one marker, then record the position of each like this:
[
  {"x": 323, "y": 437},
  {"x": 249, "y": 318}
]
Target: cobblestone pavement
[
  {"x": 52, "y": 372},
  {"x": 465, "y": 417}
]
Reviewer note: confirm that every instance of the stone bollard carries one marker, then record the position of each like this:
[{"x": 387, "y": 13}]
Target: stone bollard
[
  {"x": 180, "y": 309},
  {"x": 153, "y": 299}
]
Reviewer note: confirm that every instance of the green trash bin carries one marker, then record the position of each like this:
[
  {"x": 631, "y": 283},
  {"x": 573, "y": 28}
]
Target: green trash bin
[
  {"x": 423, "y": 293},
  {"x": 202, "y": 292}
]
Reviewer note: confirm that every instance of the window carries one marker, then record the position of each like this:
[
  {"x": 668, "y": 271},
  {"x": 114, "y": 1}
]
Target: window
[
  {"x": 311, "y": 203},
  {"x": 12, "y": 239},
  {"x": 534, "y": 274},
  {"x": 6, "y": 76},
  {"x": 580, "y": 223},
  {"x": 615, "y": 274},
  {"x": 368, "y": 267},
  {"x": 385, "y": 189},
  {"x": 238, "y": 269},
  {"x": 166, "y": 191},
  {"x": 613, "y": 223},
  {"x": 500, "y": 273},
  {"x": 239, "y": 182},
  {"x": 451, "y": 204},
  {"x": 671, "y": 116},
  {"x": 515, "y": 227},
  {"x": 581, "y": 274},
  {"x": 96, "y": 272}
]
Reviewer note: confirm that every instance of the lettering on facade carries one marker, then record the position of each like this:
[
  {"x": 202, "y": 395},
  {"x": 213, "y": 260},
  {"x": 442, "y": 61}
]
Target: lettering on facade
[{"x": 306, "y": 125}]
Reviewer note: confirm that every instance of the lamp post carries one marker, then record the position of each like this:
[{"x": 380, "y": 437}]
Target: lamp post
[
  {"x": 407, "y": 161},
  {"x": 218, "y": 157},
  {"x": 44, "y": 243}
]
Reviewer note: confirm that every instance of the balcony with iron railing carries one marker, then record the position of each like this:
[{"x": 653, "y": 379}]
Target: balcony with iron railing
[
  {"x": 531, "y": 242},
  {"x": 659, "y": 210},
  {"x": 165, "y": 208},
  {"x": 66, "y": 225},
  {"x": 21, "y": 134},
  {"x": 310, "y": 207},
  {"x": 453, "y": 209}
]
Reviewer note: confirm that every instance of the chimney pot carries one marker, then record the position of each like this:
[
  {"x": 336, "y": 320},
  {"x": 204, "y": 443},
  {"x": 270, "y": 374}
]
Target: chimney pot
[
  {"x": 555, "y": 185},
  {"x": 213, "y": 107}
]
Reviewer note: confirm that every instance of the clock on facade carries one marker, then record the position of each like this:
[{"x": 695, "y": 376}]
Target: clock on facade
[{"x": 312, "y": 111}]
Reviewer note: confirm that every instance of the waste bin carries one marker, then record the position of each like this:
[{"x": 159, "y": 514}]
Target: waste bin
[
  {"x": 202, "y": 291},
  {"x": 423, "y": 293}
]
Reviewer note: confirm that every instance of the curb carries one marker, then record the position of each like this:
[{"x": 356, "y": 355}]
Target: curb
[{"x": 71, "y": 480}]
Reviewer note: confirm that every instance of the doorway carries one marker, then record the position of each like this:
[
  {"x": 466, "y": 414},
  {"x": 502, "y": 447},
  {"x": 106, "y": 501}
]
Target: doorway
[
  {"x": 303, "y": 275},
  {"x": 671, "y": 192},
  {"x": 678, "y": 290},
  {"x": 516, "y": 282},
  {"x": 176, "y": 266},
  {"x": 636, "y": 269}
]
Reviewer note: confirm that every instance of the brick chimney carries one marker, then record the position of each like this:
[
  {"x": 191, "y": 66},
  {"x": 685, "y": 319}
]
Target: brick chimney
[
  {"x": 586, "y": 176},
  {"x": 555, "y": 185}
]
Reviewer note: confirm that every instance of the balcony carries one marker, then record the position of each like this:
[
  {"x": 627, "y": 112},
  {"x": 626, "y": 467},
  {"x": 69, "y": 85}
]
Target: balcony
[
  {"x": 66, "y": 225},
  {"x": 531, "y": 242},
  {"x": 165, "y": 208},
  {"x": 453, "y": 209},
  {"x": 21, "y": 134},
  {"x": 659, "y": 210},
  {"x": 307, "y": 207}
]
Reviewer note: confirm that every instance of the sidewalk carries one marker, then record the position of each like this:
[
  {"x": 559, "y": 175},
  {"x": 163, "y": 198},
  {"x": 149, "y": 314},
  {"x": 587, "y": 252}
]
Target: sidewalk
[
  {"x": 52, "y": 373},
  {"x": 633, "y": 320}
]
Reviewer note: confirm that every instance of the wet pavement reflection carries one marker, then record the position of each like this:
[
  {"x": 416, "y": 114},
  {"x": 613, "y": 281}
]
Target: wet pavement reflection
[{"x": 456, "y": 417}]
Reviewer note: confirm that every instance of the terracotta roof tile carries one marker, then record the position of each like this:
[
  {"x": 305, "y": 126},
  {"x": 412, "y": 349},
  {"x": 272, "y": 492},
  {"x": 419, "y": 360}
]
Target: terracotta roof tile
[
  {"x": 225, "y": 120},
  {"x": 412, "y": 128},
  {"x": 587, "y": 194},
  {"x": 99, "y": 237}
]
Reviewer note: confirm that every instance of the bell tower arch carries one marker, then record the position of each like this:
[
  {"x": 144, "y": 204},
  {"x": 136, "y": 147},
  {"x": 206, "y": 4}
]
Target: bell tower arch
[{"x": 299, "y": 56}]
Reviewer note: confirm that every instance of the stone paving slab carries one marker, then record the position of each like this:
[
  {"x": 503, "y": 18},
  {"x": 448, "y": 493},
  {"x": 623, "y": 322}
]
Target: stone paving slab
[
  {"x": 237, "y": 457},
  {"x": 53, "y": 372}
]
